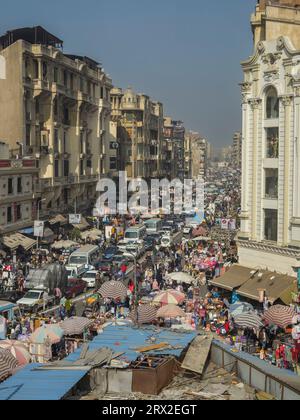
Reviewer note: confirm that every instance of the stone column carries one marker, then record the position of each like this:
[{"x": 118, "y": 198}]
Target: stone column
[
  {"x": 255, "y": 110},
  {"x": 286, "y": 102},
  {"x": 245, "y": 171},
  {"x": 295, "y": 221}
]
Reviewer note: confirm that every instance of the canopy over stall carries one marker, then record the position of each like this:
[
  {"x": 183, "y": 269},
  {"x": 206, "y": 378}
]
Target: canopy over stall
[
  {"x": 17, "y": 239},
  {"x": 83, "y": 225},
  {"x": 58, "y": 219},
  {"x": 234, "y": 278},
  {"x": 276, "y": 286}
]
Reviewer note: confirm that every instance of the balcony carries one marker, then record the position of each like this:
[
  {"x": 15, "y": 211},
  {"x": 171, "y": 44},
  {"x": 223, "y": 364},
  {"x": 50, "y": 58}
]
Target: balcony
[{"x": 46, "y": 183}]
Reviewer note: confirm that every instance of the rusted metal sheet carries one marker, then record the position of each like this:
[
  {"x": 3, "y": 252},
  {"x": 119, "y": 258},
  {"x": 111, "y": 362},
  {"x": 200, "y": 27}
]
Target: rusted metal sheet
[
  {"x": 197, "y": 355},
  {"x": 151, "y": 380}
]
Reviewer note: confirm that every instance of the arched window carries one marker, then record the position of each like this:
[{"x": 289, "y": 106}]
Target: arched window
[{"x": 272, "y": 103}]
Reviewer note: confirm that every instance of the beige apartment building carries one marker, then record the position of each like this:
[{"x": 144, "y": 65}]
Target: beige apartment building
[
  {"x": 18, "y": 192},
  {"x": 176, "y": 149},
  {"x": 237, "y": 150},
  {"x": 138, "y": 122},
  {"x": 196, "y": 155},
  {"x": 55, "y": 108},
  {"x": 270, "y": 218}
]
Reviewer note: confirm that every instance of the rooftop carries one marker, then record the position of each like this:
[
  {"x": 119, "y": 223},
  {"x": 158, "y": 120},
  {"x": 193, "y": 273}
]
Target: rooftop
[{"x": 35, "y": 35}]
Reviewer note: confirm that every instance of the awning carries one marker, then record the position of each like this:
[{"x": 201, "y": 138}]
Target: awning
[
  {"x": 63, "y": 245},
  {"x": 27, "y": 231},
  {"x": 14, "y": 241},
  {"x": 58, "y": 219},
  {"x": 233, "y": 278},
  {"x": 93, "y": 234},
  {"x": 83, "y": 225},
  {"x": 276, "y": 286},
  {"x": 49, "y": 235}
]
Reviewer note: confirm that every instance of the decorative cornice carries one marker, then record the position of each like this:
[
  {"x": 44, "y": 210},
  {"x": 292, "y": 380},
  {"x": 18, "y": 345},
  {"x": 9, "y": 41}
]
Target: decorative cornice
[
  {"x": 271, "y": 249},
  {"x": 245, "y": 86},
  {"x": 254, "y": 103},
  {"x": 286, "y": 100}
]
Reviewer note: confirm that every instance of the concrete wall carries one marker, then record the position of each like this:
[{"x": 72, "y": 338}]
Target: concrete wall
[
  {"x": 253, "y": 375},
  {"x": 259, "y": 259}
]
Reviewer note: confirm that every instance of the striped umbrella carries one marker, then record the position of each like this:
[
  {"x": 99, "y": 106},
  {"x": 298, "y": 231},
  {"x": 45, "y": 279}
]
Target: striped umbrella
[
  {"x": 113, "y": 290},
  {"x": 18, "y": 350},
  {"x": 280, "y": 315},
  {"x": 145, "y": 314},
  {"x": 248, "y": 320},
  {"x": 52, "y": 332},
  {"x": 75, "y": 325},
  {"x": 169, "y": 297},
  {"x": 7, "y": 364},
  {"x": 170, "y": 311}
]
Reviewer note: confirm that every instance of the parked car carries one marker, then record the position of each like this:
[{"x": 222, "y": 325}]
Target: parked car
[
  {"x": 149, "y": 243},
  {"x": 75, "y": 271},
  {"x": 104, "y": 266},
  {"x": 119, "y": 259},
  {"x": 156, "y": 236},
  {"x": 90, "y": 278},
  {"x": 75, "y": 287},
  {"x": 33, "y": 300},
  {"x": 187, "y": 230},
  {"x": 110, "y": 252}
]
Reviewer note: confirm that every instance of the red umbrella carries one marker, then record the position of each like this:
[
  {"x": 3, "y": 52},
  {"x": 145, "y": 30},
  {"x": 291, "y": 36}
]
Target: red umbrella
[
  {"x": 169, "y": 297},
  {"x": 170, "y": 311}
]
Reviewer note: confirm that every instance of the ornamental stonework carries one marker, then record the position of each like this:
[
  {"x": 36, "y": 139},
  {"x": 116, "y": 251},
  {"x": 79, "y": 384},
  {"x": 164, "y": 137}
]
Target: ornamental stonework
[{"x": 254, "y": 103}]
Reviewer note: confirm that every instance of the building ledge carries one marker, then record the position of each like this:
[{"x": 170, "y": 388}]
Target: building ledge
[{"x": 288, "y": 251}]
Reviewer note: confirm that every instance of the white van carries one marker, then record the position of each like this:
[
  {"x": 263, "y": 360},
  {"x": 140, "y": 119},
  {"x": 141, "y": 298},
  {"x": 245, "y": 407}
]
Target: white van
[
  {"x": 135, "y": 234},
  {"x": 87, "y": 255},
  {"x": 153, "y": 226}
]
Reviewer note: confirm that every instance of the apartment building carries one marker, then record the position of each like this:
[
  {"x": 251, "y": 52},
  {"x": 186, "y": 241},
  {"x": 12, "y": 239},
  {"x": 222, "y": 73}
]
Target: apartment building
[
  {"x": 196, "y": 155},
  {"x": 138, "y": 126},
  {"x": 55, "y": 108},
  {"x": 174, "y": 145},
  {"x": 18, "y": 192},
  {"x": 270, "y": 218}
]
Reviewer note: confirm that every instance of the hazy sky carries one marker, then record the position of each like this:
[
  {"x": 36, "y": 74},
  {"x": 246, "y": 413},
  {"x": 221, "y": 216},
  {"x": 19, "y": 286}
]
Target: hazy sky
[{"x": 184, "y": 53}]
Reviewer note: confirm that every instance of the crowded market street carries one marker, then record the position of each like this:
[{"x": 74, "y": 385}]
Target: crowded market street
[{"x": 180, "y": 288}]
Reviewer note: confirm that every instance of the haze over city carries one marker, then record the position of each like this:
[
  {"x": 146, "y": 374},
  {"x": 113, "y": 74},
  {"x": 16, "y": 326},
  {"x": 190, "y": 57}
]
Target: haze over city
[{"x": 184, "y": 54}]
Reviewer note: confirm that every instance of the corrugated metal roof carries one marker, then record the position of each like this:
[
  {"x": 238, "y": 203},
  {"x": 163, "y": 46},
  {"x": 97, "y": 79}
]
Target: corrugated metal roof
[
  {"x": 125, "y": 338},
  {"x": 30, "y": 384}
]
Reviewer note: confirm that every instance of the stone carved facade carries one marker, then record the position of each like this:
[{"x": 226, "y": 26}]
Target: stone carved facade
[{"x": 270, "y": 218}]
